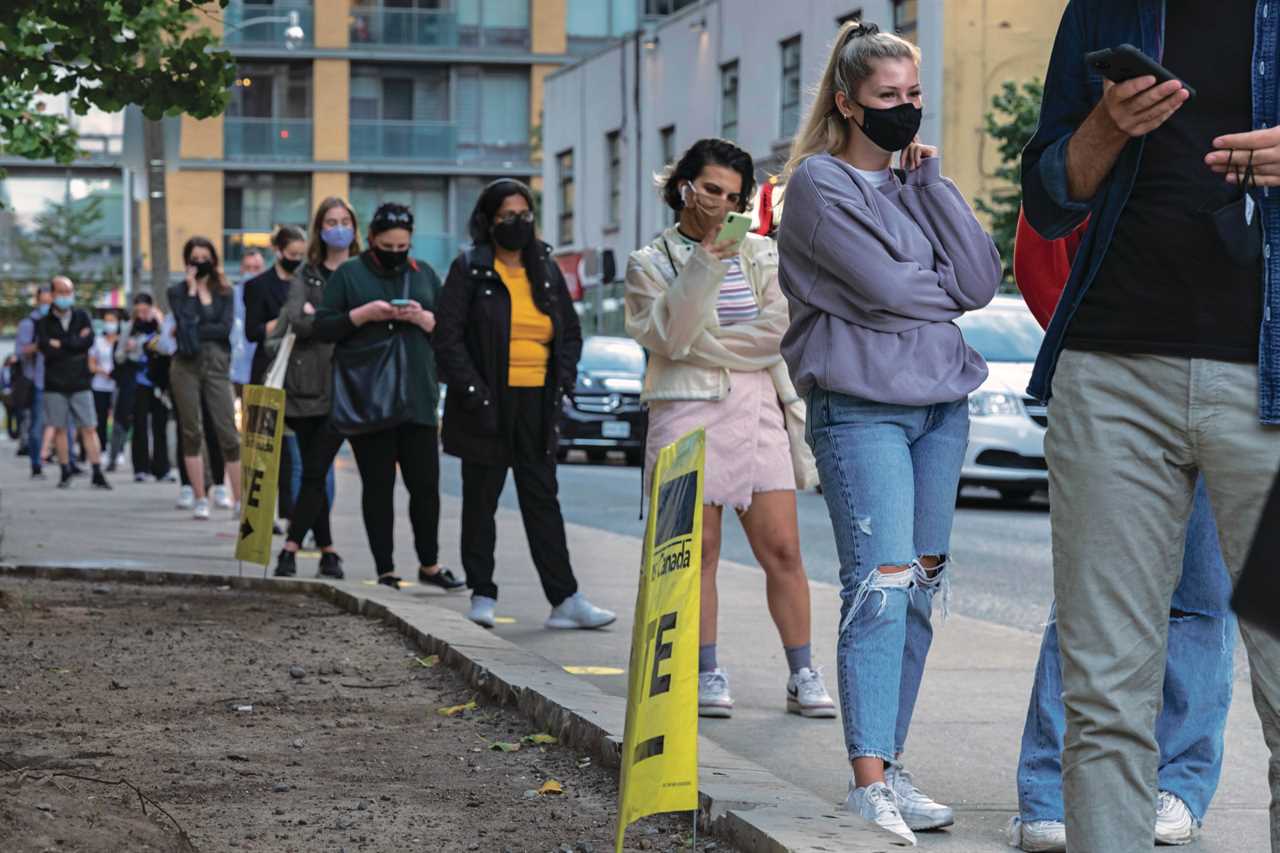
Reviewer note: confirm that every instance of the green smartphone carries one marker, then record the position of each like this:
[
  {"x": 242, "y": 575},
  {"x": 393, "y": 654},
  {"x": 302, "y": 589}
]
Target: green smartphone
[
  {"x": 400, "y": 303},
  {"x": 735, "y": 228}
]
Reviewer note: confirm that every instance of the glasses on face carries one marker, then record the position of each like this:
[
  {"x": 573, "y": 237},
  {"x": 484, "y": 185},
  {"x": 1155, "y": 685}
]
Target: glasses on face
[{"x": 512, "y": 218}]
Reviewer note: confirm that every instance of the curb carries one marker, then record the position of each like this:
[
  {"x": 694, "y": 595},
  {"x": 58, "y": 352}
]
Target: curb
[{"x": 740, "y": 802}]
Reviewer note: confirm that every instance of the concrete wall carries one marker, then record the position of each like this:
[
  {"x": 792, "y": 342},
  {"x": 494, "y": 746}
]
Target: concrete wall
[
  {"x": 331, "y": 23},
  {"x": 330, "y": 87},
  {"x": 194, "y": 208}
]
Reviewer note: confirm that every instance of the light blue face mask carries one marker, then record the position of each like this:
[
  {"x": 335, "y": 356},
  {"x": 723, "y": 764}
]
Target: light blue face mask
[
  {"x": 63, "y": 303},
  {"x": 43, "y": 310}
]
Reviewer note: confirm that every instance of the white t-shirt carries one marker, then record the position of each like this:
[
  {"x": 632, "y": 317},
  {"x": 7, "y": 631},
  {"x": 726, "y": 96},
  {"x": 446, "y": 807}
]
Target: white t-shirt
[
  {"x": 104, "y": 354},
  {"x": 877, "y": 178}
]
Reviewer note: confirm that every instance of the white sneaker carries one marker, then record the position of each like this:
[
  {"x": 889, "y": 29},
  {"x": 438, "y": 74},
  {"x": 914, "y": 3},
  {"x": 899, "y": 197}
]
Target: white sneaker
[
  {"x": 713, "y": 694},
  {"x": 235, "y": 509},
  {"x": 919, "y": 811},
  {"x": 120, "y": 460},
  {"x": 1174, "y": 824},
  {"x": 201, "y": 510},
  {"x": 171, "y": 477},
  {"x": 186, "y": 498},
  {"x": 576, "y": 612},
  {"x": 877, "y": 804},
  {"x": 221, "y": 497},
  {"x": 808, "y": 696},
  {"x": 482, "y": 608},
  {"x": 1037, "y": 836}
]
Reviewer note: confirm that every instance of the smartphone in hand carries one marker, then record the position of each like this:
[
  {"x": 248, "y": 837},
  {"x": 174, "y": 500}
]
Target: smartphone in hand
[
  {"x": 735, "y": 228},
  {"x": 1125, "y": 62},
  {"x": 400, "y": 303}
]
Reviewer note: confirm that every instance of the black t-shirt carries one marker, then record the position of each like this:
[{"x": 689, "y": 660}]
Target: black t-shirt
[
  {"x": 264, "y": 297},
  {"x": 1166, "y": 285}
]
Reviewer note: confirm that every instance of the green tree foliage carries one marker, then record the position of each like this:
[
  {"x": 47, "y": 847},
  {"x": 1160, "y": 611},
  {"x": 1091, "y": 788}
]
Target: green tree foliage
[
  {"x": 104, "y": 54},
  {"x": 1011, "y": 123}
]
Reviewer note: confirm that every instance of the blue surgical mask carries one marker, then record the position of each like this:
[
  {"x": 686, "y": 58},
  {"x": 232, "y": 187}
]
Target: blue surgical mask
[
  {"x": 64, "y": 303},
  {"x": 42, "y": 310},
  {"x": 110, "y": 328},
  {"x": 338, "y": 237}
]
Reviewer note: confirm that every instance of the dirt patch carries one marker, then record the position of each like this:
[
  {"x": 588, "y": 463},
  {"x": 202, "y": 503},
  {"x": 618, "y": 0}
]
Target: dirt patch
[{"x": 267, "y": 723}]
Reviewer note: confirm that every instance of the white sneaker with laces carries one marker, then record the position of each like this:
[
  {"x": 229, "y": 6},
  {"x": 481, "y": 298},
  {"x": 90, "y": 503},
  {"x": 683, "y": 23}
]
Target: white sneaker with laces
[
  {"x": 482, "y": 607},
  {"x": 201, "y": 510},
  {"x": 576, "y": 612},
  {"x": 877, "y": 804},
  {"x": 713, "y": 694},
  {"x": 221, "y": 497},
  {"x": 186, "y": 498},
  {"x": 1174, "y": 824},
  {"x": 808, "y": 696},
  {"x": 919, "y": 811},
  {"x": 1037, "y": 836}
]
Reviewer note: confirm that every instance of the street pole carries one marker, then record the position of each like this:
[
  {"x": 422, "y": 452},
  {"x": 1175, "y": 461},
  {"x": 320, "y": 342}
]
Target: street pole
[
  {"x": 126, "y": 181},
  {"x": 157, "y": 209}
]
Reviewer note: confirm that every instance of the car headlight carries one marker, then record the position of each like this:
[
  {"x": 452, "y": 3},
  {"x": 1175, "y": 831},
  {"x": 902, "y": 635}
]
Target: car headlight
[
  {"x": 585, "y": 380},
  {"x": 988, "y": 404}
]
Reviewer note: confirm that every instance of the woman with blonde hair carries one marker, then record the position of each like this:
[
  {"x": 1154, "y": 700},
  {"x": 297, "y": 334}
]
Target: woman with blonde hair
[
  {"x": 876, "y": 264},
  {"x": 711, "y": 318}
]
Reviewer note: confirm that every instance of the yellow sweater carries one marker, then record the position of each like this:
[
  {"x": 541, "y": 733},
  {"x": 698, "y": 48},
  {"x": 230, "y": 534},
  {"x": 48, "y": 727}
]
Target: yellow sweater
[{"x": 531, "y": 331}]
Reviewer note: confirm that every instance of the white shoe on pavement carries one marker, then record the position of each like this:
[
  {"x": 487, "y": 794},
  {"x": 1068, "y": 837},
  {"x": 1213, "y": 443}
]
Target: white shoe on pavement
[
  {"x": 482, "y": 607},
  {"x": 1037, "y": 836},
  {"x": 201, "y": 510},
  {"x": 918, "y": 810},
  {"x": 221, "y": 497},
  {"x": 713, "y": 694},
  {"x": 1174, "y": 824},
  {"x": 576, "y": 612},
  {"x": 186, "y": 498},
  {"x": 877, "y": 804},
  {"x": 120, "y": 460},
  {"x": 808, "y": 696}
]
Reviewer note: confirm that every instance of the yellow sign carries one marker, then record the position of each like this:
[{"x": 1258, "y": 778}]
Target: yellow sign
[
  {"x": 260, "y": 446},
  {"x": 660, "y": 745}
]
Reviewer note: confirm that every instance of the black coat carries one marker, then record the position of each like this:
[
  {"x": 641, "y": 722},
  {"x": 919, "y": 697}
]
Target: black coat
[
  {"x": 66, "y": 366},
  {"x": 472, "y": 341}
]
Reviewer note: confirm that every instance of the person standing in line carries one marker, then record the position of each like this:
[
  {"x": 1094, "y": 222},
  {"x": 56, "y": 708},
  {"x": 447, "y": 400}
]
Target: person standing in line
[
  {"x": 355, "y": 313},
  {"x": 508, "y": 341},
  {"x": 140, "y": 358},
  {"x": 242, "y": 349},
  {"x": 711, "y": 318},
  {"x": 122, "y": 372},
  {"x": 1160, "y": 367},
  {"x": 10, "y": 379},
  {"x": 200, "y": 370},
  {"x": 264, "y": 298},
  {"x": 66, "y": 337},
  {"x": 102, "y": 362},
  {"x": 28, "y": 348},
  {"x": 308, "y": 386},
  {"x": 876, "y": 265}
]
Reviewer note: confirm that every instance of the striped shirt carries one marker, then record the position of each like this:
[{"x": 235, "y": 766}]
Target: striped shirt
[{"x": 737, "y": 304}]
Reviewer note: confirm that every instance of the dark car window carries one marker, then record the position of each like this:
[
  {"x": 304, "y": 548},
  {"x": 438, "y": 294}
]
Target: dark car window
[
  {"x": 615, "y": 356},
  {"x": 1002, "y": 335}
]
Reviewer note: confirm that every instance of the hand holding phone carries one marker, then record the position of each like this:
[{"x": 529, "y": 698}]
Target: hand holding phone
[
  {"x": 735, "y": 228},
  {"x": 1125, "y": 62},
  {"x": 401, "y": 303}
]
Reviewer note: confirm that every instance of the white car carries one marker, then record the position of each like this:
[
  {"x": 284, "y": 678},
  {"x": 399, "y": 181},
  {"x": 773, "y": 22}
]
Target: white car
[{"x": 1006, "y": 432}]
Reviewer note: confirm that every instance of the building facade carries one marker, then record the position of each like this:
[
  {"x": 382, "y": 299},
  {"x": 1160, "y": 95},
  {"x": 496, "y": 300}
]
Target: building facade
[{"x": 745, "y": 70}]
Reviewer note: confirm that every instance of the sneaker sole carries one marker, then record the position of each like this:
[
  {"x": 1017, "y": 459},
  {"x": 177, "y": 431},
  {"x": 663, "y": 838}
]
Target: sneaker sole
[
  {"x": 1179, "y": 841},
  {"x": 1032, "y": 846},
  {"x": 927, "y": 825},
  {"x": 813, "y": 712},
  {"x": 482, "y": 623},
  {"x": 719, "y": 712},
  {"x": 566, "y": 625}
]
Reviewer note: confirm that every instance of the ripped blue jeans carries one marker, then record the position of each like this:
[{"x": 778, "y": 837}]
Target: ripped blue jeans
[{"x": 889, "y": 474}]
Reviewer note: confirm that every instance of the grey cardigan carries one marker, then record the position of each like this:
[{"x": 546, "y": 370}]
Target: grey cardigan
[{"x": 875, "y": 277}]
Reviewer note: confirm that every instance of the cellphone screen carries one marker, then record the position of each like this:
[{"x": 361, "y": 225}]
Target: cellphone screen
[{"x": 734, "y": 228}]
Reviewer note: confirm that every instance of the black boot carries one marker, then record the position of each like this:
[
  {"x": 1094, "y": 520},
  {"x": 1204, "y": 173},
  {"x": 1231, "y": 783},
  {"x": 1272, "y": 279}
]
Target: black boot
[
  {"x": 443, "y": 578},
  {"x": 331, "y": 566},
  {"x": 286, "y": 564}
]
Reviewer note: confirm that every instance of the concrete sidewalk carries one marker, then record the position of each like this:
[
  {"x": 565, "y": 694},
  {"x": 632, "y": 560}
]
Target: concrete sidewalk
[{"x": 964, "y": 741}]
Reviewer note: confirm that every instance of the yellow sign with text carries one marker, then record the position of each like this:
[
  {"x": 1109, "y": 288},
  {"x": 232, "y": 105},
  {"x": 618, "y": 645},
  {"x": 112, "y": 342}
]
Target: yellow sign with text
[
  {"x": 660, "y": 745},
  {"x": 260, "y": 447}
]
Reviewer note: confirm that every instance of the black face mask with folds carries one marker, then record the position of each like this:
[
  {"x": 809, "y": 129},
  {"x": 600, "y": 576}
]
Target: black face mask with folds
[
  {"x": 290, "y": 264},
  {"x": 891, "y": 129},
  {"x": 1239, "y": 232},
  {"x": 390, "y": 260},
  {"x": 204, "y": 269},
  {"x": 513, "y": 235}
]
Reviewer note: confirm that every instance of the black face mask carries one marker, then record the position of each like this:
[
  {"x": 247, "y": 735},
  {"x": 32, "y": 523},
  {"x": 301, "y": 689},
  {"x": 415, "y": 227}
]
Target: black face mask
[
  {"x": 204, "y": 269},
  {"x": 514, "y": 235},
  {"x": 892, "y": 129},
  {"x": 289, "y": 265},
  {"x": 391, "y": 260}
]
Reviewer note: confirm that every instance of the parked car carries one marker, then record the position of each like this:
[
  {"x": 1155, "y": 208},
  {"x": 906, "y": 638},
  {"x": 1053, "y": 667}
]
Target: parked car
[
  {"x": 1006, "y": 433},
  {"x": 604, "y": 413}
]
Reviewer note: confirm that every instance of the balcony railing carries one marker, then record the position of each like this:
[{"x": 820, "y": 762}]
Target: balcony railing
[
  {"x": 404, "y": 140},
  {"x": 267, "y": 138},
  {"x": 266, "y": 35},
  {"x": 381, "y": 27}
]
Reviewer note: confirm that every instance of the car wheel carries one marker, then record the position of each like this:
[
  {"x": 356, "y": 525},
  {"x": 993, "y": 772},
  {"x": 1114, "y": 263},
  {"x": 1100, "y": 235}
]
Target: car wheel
[
  {"x": 1017, "y": 496},
  {"x": 597, "y": 455},
  {"x": 635, "y": 458}
]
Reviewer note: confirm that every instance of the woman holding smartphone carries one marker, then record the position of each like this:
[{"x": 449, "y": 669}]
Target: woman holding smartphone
[
  {"x": 710, "y": 315},
  {"x": 876, "y": 265}
]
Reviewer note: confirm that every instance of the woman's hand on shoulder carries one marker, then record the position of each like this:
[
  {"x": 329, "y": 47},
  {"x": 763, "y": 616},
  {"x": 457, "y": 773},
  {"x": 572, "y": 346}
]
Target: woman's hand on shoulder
[{"x": 915, "y": 154}]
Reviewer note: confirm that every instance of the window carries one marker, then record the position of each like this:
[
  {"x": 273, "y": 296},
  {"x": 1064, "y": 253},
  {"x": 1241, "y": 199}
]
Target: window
[
  {"x": 401, "y": 112},
  {"x": 270, "y": 90},
  {"x": 729, "y": 100},
  {"x": 564, "y": 171},
  {"x": 493, "y": 23},
  {"x": 667, "y": 150},
  {"x": 905, "y": 16},
  {"x": 789, "y": 116},
  {"x": 855, "y": 16},
  {"x": 255, "y": 204},
  {"x": 591, "y": 24},
  {"x": 427, "y": 196},
  {"x": 37, "y": 204},
  {"x": 654, "y": 8},
  {"x": 613, "y": 154},
  {"x": 492, "y": 114}
]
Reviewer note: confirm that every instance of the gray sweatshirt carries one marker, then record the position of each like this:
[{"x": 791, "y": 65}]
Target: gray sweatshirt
[{"x": 874, "y": 278}]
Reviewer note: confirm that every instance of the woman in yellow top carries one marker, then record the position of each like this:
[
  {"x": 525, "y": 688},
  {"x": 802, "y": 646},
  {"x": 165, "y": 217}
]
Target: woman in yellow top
[{"x": 507, "y": 342}]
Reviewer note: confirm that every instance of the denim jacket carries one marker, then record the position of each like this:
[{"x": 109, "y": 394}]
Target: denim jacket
[{"x": 1071, "y": 91}]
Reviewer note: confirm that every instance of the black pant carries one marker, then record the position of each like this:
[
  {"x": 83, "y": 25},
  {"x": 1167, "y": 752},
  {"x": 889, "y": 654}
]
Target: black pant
[
  {"x": 150, "y": 432},
  {"x": 537, "y": 489},
  {"x": 318, "y": 443},
  {"x": 415, "y": 447},
  {"x": 102, "y": 408}
]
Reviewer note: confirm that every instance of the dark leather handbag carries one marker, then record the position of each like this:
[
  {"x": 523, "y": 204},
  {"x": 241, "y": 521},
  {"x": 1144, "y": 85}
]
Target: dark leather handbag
[{"x": 371, "y": 384}]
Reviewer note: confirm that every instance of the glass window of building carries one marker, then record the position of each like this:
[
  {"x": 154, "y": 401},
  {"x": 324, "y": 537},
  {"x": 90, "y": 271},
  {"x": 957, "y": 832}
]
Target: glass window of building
[
  {"x": 402, "y": 23},
  {"x": 906, "y": 15},
  {"x": 401, "y": 112},
  {"x": 591, "y": 24},
  {"x": 657, "y": 8},
  {"x": 427, "y": 196},
  {"x": 255, "y": 204},
  {"x": 789, "y": 117},
  {"x": 492, "y": 114},
  {"x": 613, "y": 153},
  {"x": 493, "y": 23},
  {"x": 729, "y": 100},
  {"x": 564, "y": 175},
  {"x": 62, "y": 221},
  {"x": 269, "y": 114}
]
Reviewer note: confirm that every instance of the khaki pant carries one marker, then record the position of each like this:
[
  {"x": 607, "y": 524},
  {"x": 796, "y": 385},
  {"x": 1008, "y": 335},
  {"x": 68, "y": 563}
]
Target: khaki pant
[
  {"x": 1127, "y": 437},
  {"x": 205, "y": 376}
]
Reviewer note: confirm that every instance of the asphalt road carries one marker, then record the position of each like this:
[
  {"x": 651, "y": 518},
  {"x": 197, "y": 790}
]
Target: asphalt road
[{"x": 1000, "y": 551}]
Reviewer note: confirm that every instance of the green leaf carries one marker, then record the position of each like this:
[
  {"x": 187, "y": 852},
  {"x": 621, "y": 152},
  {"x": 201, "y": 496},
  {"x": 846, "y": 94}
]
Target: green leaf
[
  {"x": 504, "y": 746},
  {"x": 540, "y": 739}
]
